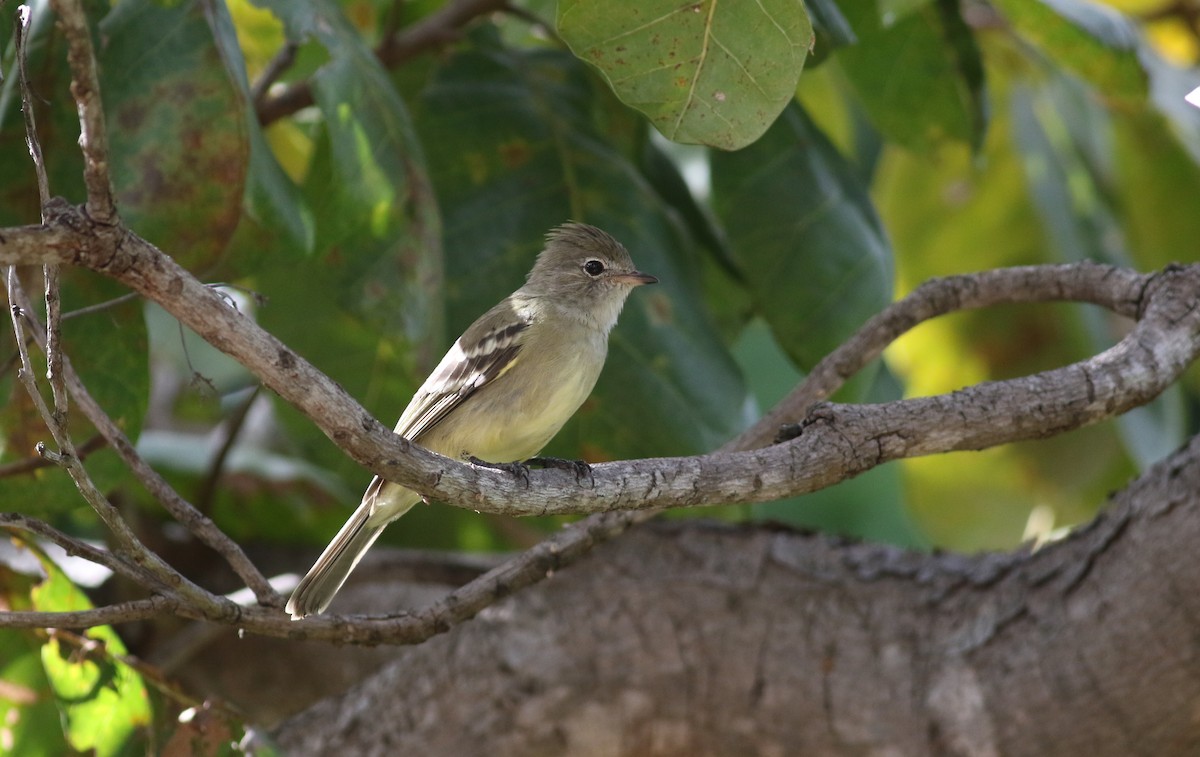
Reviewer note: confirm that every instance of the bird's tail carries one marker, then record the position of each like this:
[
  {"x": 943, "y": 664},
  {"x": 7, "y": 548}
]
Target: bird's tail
[{"x": 383, "y": 503}]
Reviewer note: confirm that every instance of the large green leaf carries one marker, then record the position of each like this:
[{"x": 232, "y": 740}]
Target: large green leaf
[
  {"x": 1094, "y": 42},
  {"x": 511, "y": 139},
  {"x": 711, "y": 72},
  {"x": 811, "y": 248},
  {"x": 920, "y": 78},
  {"x": 177, "y": 129}
]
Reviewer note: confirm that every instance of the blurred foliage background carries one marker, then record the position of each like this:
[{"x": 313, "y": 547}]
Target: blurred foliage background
[{"x": 786, "y": 169}]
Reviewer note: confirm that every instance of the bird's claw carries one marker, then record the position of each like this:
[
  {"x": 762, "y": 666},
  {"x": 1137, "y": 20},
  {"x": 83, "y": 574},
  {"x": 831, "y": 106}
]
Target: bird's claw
[
  {"x": 578, "y": 467},
  {"x": 515, "y": 469}
]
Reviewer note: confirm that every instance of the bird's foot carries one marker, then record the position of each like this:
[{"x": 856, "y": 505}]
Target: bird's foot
[
  {"x": 515, "y": 469},
  {"x": 578, "y": 467}
]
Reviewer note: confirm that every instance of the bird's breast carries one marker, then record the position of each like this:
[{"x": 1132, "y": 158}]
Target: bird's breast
[{"x": 522, "y": 410}]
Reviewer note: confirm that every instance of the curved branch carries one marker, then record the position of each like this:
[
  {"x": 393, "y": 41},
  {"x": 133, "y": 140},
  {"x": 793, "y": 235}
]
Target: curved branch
[
  {"x": 931, "y": 299},
  {"x": 1133, "y": 372}
]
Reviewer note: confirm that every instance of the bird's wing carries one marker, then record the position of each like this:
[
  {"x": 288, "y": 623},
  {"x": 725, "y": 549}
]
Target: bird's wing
[{"x": 488, "y": 349}]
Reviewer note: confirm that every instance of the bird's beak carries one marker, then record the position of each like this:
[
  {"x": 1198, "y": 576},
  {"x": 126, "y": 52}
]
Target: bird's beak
[{"x": 635, "y": 278}]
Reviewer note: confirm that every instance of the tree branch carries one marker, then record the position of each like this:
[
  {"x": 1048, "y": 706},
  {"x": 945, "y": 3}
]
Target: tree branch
[
  {"x": 85, "y": 88},
  {"x": 126, "y": 612},
  {"x": 435, "y": 30},
  {"x": 1144, "y": 363},
  {"x": 73, "y": 546},
  {"x": 836, "y": 443},
  {"x": 195, "y": 521},
  {"x": 723, "y": 639}
]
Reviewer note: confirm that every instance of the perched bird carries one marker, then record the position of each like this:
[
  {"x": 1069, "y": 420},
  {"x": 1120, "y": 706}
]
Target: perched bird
[{"x": 504, "y": 389}]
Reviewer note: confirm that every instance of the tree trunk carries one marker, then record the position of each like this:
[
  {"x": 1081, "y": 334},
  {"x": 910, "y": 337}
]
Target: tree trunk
[{"x": 685, "y": 638}]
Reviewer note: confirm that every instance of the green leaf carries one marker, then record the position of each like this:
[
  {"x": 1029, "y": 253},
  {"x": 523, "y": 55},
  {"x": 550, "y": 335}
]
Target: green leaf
[
  {"x": 177, "y": 128},
  {"x": 272, "y": 199},
  {"x": 512, "y": 140},
  {"x": 102, "y": 701},
  {"x": 811, "y": 247},
  {"x": 29, "y": 722},
  {"x": 709, "y": 72},
  {"x": 366, "y": 307},
  {"x": 376, "y": 209},
  {"x": 919, "y": 79},
  {"x": 1092, "y": 41}
]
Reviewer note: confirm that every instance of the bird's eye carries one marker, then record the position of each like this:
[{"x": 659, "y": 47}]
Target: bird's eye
[{"x": 593, "y": 267}]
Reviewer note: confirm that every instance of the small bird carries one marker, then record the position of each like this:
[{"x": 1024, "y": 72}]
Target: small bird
[{"x": 505, "y": 388}]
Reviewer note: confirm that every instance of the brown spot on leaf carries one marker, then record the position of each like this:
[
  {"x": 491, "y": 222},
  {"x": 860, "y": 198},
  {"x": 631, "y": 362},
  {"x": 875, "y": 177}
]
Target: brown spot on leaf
[{"x": 514, "y": 154}]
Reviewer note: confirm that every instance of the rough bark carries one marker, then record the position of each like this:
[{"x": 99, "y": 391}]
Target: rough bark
[{"x": 688, "y": 639}]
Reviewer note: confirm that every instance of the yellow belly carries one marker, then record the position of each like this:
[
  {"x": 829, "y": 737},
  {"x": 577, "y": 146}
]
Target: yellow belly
[{"x": 499, "y": 426}]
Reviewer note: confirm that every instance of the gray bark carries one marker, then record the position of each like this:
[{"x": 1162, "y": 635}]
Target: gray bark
[{"x": 702, "y": 639}]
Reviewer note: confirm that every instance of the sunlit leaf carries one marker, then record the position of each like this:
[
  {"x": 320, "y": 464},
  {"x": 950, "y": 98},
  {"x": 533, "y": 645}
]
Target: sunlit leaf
[
  {"x": 1094, "y": 42},
  {"x": 29, "y": 722},
  {"x": 708, "y": 72},
  {"x": 102, "y": 701}
]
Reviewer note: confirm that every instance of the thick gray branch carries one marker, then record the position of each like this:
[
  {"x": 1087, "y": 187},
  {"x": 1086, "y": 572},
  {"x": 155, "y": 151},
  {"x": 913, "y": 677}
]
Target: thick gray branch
[{"x": 683, "y": 638}]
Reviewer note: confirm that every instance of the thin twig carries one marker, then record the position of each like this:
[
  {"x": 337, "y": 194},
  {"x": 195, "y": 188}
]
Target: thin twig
[
  {"x": 24, "y": 13},
  {"x": 275, "y": 68},
  {"x": 125, "y": 612},
  {"x": 30, "y": 464},
  {"x": 433, "y": 31},
  {"x": 75, "y": 547},
  {"x": 25, "y": 370},
  {"x": 208, "y": 487},
  {"x": 159, "y": 573},
  {"x": 54, "y": 355},
  {"x": 196, "y": 522},
  {"x": 100, "y": 306},
  {"x": 85, "y": 88}
]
